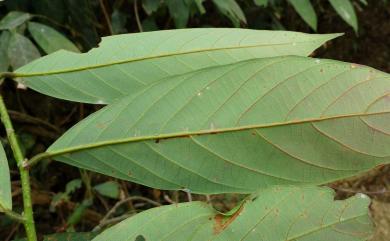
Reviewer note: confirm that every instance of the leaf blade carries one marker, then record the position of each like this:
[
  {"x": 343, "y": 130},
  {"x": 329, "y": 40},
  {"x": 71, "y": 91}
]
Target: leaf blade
[
  {"x": 49, "y": 39},
  {"x": 305, "y": 9},
  {"x": 129, "y": 65},
  {"x": 317, "y": 217},
  {"x": 346, "y": 11},
  {"x": 232, "y": 10},
  {"x": 238, "y": 118},
  {"x": 13, "y": 19},
  {"x": 109, "y": 189},
  {"x": 4, "y": 43},
  {"x": 21, "y": 50}
]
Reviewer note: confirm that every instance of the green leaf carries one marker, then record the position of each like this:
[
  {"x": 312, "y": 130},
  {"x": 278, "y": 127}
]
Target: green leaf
[
  {"x": 118, "y": 21},
  {"x": 346, "y": 11},
  {"x": 305, "y": 9},
  {"x": 21, "y": 50},
  {"x": 125, "y": 64},
  {"x": 151, "y": 6},
  {"x": 232, "y": 10},
  {"x": 81, "y": 15},
  {"x": 364, "y": 2},
  {"x": 4, "y": 43},
  {"x": 199, "y": 5},
  {"x": 73, "y": 186},
  {"x": 149, "y": 24},
  {"x": 109, "y": 189},
  {"x": 276, "y": 214},
  {"x": 49, "y": 39},
  {"x": 78, "y": 213},
  {"x": 5, "y": 182},
  {"x": 14, "y": 19},
  {"x": 261, "y": 3},
  {"x": 179, "y": 11},
  {"x": 240, "y": 127}
]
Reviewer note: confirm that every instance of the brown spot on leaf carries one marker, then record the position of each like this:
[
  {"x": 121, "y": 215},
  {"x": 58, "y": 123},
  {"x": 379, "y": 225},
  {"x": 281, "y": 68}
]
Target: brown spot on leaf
[{"x": 221, "y": 222}]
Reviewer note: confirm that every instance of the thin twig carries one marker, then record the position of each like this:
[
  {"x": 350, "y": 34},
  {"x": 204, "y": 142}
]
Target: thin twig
[
  {"x": 25, "y": 118},
  {"x": 348, "y": 190},
  {"x": 137, "y": 16},
  {"x": 13, "y": 230},
  {"x": 168, "y": 199},
  {"x": 121, "y": 202},
  {"x": 189, "y": 196},
  {"x": 7, "y": 75},
  {"x": 106, "y": 17},
  {"x": 113, "y": 220},
  {"x": 35, "y": 159}
]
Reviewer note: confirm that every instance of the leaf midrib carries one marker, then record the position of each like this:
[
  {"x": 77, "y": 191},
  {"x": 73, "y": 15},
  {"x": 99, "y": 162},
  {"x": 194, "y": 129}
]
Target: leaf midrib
[
  {"x": 201, "y": 132},
  {"x": 16, "y": 74}
]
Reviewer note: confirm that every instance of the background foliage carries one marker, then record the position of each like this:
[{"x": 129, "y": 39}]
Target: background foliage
[{"x": 66, "y": 198}]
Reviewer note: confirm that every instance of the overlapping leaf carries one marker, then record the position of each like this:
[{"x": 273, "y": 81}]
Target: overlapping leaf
[
  {"x": 14, "y": 19},
  {"x": 5, "y": 183},
  {"x": 276, "y": 214},
  {"x": 21, "y": 50},
  {"x": 4, "y": 43},
  {"x": 346, "y": 11},
  {"x": 49, "y": 39},
  {"x": 241, "y": 127},
  {"x": 232, "y": 10},
  {"x": 305, "y": 9},
  {"x": 124, "y": 64}
]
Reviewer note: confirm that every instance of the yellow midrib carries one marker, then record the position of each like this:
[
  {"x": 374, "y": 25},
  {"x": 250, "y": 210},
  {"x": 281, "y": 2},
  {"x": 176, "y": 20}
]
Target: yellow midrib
[
  {"x": 203, "y": 132},
  {"x": 16, "y": 74}
]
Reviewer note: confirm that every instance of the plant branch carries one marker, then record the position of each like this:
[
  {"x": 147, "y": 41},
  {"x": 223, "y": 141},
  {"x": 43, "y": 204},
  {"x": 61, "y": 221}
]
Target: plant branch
[
  {"x": 35, "y": 159},
  {"x": 24, "y": 173},
  {"x": 6, "y": 75},
  {"x": 118, "y": 204},
  {"x": 106, "y": 17},
  {"x": 137, "y": 19}
]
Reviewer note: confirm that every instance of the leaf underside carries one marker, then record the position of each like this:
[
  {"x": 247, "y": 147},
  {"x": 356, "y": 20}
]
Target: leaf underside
[
  {"x": 124, "y": 64},
  {"x": 241, "y": 127},
  {"x": 276, "y": 214}
]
